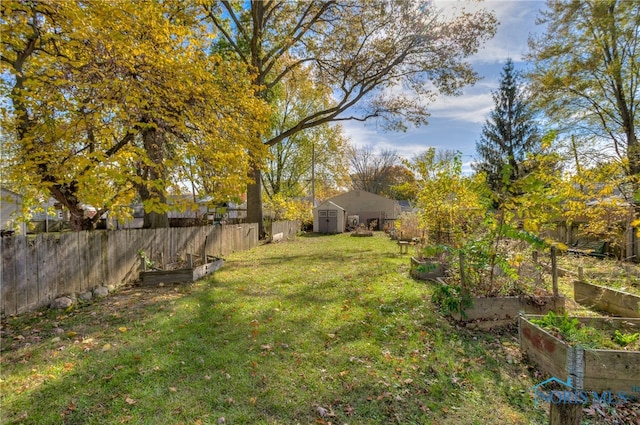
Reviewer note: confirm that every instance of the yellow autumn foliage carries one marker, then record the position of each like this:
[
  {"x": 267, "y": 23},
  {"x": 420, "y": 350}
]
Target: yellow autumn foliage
[{"x": 85, "y": 79}]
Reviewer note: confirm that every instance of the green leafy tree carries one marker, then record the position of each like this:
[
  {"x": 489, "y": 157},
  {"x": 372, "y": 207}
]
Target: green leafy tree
[
  {"x": 363, "y": 51},
  {"x": 592, "y": 201},
  {"x": 509, "y": 135},
  {"x": 451, "y": 204},
  {"x": 587, "y": 76},
  {"x": 310, "y": 156}
]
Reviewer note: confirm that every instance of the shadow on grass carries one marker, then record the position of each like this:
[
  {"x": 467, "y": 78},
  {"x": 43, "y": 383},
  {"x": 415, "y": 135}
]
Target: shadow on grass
[{"x": 265, "y": 346}]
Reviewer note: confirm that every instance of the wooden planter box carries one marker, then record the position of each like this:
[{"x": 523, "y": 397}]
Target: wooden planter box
[
  {"x": 189, "y": 274},
  {"x": 599, "y": 370},
  {"x": 605, "y": 299},
  {"x": 487, "y": 312},
  {"x": 425, "y": 269}
]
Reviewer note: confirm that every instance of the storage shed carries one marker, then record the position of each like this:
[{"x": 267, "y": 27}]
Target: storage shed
[
  {"x": 368, "y": 207},
  {"x": 329, "y": 217}
]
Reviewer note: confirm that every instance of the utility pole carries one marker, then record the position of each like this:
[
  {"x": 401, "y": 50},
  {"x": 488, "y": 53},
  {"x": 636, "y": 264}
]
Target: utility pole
[{"x": 313, "y": 173}]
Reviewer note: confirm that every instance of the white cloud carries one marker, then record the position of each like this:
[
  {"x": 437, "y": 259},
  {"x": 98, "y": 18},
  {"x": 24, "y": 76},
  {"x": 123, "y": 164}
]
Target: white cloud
[
  {"x": 517, "y": 23},
  {"x": 471, "y": 108},
  {"x": 456, "y": 122}
]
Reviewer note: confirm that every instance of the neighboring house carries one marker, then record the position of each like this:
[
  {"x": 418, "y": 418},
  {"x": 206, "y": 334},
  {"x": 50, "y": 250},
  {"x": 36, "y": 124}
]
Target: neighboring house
[
  {"x": 405, "y": 206},
  {"x": 229, "y": 212},
  {"x": 10, "y": 209},
  {"x": 365, "y": 208}
]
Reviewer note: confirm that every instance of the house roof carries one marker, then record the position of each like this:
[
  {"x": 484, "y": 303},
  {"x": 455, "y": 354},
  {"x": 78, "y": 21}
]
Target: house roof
[
  {"x": 359, "y": 193},
  {"x": 6, "y": 193}
]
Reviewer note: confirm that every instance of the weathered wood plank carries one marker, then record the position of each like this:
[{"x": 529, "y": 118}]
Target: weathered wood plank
[
  {"x": 69, "y": 265},
  {"x": 606, "y": 299},
  {"x": 502, "y": 308},
  {"x": 103, "y": 260},
  {"x": 56, "y": 245},
  {"x": 92, "y": 252},
  {"x": 22, "y": 269},
  {"x": 85, "y": 256},
  {"x": 604, "y": 370},
  {"x": 547, "y": 351},
  {"x": 41, "y": 245},
  {"x": 565, "y": 414},
  {"x": 8, "y": 302},
  {"x": 166, "y": 276},
  {"x": 207, "y": 269}
]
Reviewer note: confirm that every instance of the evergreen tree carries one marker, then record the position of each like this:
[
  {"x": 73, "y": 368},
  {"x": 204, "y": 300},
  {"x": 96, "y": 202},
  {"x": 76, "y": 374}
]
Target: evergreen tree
[{"x": 509, "y": 134}]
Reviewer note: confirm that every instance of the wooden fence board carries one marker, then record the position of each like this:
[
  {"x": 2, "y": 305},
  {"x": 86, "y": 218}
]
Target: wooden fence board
[
  {"x": 48, "y": 288},
  {"x": 92, "y": 252},
  {"x": 68, "y": 278},
  {"x": 50, "y": 266},
  {"x": 50, "y": 285},
  {"x": 21, "y": 270},
  {"x": 39, "y": 258},
  {"x": 104, "y": 258},
  {"x": 86, "y": 250},
  {"x": 8, "y": 303}
]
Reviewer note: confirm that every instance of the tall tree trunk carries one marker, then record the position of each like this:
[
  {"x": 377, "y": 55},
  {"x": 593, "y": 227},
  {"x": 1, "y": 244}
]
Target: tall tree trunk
[
  {"x": 254, "y": 201},
  {"x": 65, "y": 195},
  {"x": 154, "y": 147}
]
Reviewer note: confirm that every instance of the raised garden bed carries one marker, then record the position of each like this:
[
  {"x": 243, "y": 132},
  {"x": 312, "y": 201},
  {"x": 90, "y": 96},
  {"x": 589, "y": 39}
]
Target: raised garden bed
[
  {"x": 487, "y": 312},
  {"x": 592, "y": 369},
  {"x": 181, "y": 274},
  {"x": 609, "y": 300},
  {"x": 426, "y": 269}
]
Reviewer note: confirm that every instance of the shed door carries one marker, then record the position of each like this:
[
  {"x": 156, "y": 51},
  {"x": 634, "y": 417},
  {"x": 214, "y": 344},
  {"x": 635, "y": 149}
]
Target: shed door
[{"x": 328, "y": 221}]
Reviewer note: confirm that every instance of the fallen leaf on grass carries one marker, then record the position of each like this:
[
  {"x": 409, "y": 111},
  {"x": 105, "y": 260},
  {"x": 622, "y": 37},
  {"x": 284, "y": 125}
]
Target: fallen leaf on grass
[
  {"x": 321, "y": 411},
  {"x": 130, "y": 401},
  {"x": 173, "y": 389},
  {"x": 122, "y": 329}
]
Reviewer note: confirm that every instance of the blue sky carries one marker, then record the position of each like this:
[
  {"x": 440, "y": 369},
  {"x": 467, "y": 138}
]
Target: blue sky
[{"x": 456, "y": 122}]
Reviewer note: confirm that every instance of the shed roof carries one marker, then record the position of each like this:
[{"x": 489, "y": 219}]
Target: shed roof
[{"x": 330, "y": 205}]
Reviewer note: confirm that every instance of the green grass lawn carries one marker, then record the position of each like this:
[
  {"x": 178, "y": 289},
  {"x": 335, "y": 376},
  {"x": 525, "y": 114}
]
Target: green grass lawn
[{"x": 326, "y": 329}]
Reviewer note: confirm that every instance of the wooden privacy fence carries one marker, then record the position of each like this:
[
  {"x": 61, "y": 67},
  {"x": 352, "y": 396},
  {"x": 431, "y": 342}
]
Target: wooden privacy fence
[{"x": 34, "y": 272}]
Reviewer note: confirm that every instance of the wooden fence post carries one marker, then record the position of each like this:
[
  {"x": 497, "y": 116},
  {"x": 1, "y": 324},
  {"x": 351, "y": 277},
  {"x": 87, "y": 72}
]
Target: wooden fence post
[
  {"x": 580, "y": 274},
  {"x": 463, "y": 285},
  {"x": 568, "y": 413},
  {"x": 554, "y": 271}
]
